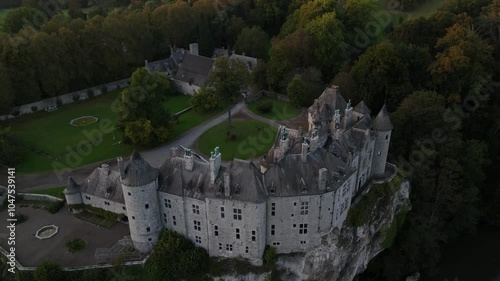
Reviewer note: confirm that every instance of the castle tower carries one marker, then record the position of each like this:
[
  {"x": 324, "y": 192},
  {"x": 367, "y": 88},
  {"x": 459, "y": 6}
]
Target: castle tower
[
  {"x": 215, "y": 159},
  {"x": 73, "y": 196},
  {"x": 140, "y": 184},
  {"x": 382, "y": 128}
]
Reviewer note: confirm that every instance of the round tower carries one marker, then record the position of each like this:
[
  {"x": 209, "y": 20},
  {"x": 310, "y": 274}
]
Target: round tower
[
  {"x": 73, "y": 196},
  {"x": 382, "y": 128},
  {"x": 140, "y": 184}
]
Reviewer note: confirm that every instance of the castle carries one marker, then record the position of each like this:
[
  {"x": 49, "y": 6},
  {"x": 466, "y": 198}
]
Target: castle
[{"x": 297, "y": 193}]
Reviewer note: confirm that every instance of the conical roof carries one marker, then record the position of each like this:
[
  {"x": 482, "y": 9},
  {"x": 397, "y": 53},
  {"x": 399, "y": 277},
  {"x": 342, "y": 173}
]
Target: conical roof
[
  {"x": 362, "y": 108},
  {"x": 382, "y": 122},
  {"x": 138, "y": 172},
  {"x": 72, "y": 187}
]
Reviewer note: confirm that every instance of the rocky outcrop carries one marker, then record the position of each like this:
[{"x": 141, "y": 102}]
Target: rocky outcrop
[{"x": 346, "y": 252}]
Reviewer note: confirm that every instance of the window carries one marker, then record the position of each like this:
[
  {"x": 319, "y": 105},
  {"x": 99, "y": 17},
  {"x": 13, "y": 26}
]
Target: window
[
  {"x": 196, "y": 209},
  {"x": 148, "y": 229},
  {"x": 133, "y": 217},
  {"x": 237, "y": 233},
  {"x": 253, "y": 236},
  {"x": 220, "y": 246},
  {"x": 229, "y": 247},
  {"x": 216, "y": 230},
  {"x": 146, "y": 206},
  {"x": 198, "y": 239},
  {"x": 149, "y": 239},
  {"x": 246, "y": 249},
  {"x": 168, "y": 204},
  {"x": 197, "y": 225},
  {"x": 106, "y": 203},
  {"x": 174, "y": 222},
  {"x": 276, "y": 243},
  {"x": 123, "y": 208},
  {"x": 304, "y": 208},
  {"x": 302, "y": 242},
  {"x": 129, "y": 194},
  {"x": 272, "y": 190},
  {"x": 303, "y": 228},
  {"x": 273, "y": 209},
  {"x": 237, "y": 214},
  {"x": 386, "y": 137},
  {"x": 272, "y": 229},
  {"x": 294, "y": 226},
  {"x": 87, "y": 197},
  {"x": 222, "y": 212}
]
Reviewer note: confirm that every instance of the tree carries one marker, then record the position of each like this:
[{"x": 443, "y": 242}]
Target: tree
[
  {"x": 48, "y": 271},
  {"x": 228, "y": 77},
  {"x": 358, "y": 13},
  {"x": 205, "y": 100},
  {"x": 234, "y": 27},
  {"x": 296, "y": 91},
  {"x": 18, "y": 18},
  {"x": 177, "y": 20},
  {"x": 10, "y": 149},
  {"x": 253, "y": 42},
  {"x": 6, "y": 92},
  {"x": 140, "y": 132}
]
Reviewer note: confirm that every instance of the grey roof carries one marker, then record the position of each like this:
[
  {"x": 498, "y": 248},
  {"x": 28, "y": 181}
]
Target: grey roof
[
  {"x": 138, "y": 172},
  {"x": 178, "y": 55},
  {"x": 219, "y": 52},
  {"x": 362, "y": 108},
  {"x": 324, "y": 107},
  {"x": 245, "y": 180},
  {"x": 250, "y": 62},
  {"x": 194, "y": 69},
  {"x": 164, "y": 65},
  {"x": 382, "y": 122},
  {"x": 292, "y": 177},
  {"x": 104, "y": 183},
  {"x": 72, "y": 187}
]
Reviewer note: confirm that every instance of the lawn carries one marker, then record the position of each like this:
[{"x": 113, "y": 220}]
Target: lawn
[
  {"x": 177, "y": 103},
  {"x": 53, "y": 191},
  {"x": 251, "y": 139},
  {"x": 50, "y": 133},
  {"x": 281, "y": 110},
  {"x": 95, "y": 219}
]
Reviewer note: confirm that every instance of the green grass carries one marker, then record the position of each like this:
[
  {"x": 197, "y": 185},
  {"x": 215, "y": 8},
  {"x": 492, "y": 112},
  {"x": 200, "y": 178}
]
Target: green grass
[
  {"x": 281, "y": 110},
  {"x": 250, "y": 141},
  {"x": 3, "y": 13},
  {"x": 177, "y": 103},
  {"x": 53, "y": 191},
  {"x": 97, "y": 220}
]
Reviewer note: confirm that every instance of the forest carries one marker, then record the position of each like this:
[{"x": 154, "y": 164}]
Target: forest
[{"x": 438, "y": 75}]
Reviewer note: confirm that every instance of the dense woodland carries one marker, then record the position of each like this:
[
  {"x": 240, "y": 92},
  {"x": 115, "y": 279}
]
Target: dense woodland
[{"x": 439, "y": 76}]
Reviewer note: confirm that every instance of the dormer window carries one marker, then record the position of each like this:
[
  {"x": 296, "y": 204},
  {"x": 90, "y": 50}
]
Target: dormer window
[{"x": 272, "y": 188}]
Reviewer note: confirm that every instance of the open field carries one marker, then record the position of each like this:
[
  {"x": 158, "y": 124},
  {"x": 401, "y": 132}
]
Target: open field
[
  {"x": 281, "y": 110},
  {"x": 252, "y": 139}
]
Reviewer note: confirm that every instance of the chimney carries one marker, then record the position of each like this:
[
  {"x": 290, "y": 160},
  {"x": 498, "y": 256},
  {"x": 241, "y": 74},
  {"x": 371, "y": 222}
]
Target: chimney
[
  {"x": 285, "y": 141},
  {"x": 145, "y": 63},
  {"x": 188, "y": 160},
  {"x": 314, "y": 139},
  {"x": 121, "y": 167},
  {"x": 348, "y": 115},
  {"x": 173, "y": 152},
  {"x": 215, "y": 158},
  {"x": 305, "y": 149},
  {"x": 105, "y": 168},
  {"x": 193, "y": 49},
  {"x": 322, "y": 178},
  {"x": 227, "y": 185}
]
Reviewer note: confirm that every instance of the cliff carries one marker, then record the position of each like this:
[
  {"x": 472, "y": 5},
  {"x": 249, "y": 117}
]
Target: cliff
[{"x": 344, "y": 254}]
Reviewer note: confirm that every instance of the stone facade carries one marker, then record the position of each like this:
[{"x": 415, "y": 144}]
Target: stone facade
[{"x": 302, "y": 190}]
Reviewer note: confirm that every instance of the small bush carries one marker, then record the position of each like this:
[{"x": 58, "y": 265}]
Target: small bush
[
  {"x": 48, "y": 271},
  {"x": 269, "y": 257},
  {"x": 34, "y": 108},
  {"x": 90, "y": 93},
  {"x": 75, "y": 245},
  {"x": 264, "y": 107},
  {"x": 55, "y": 207},
  {"x": 76, "y": 97},
  {"x": 21, "y": 218}
]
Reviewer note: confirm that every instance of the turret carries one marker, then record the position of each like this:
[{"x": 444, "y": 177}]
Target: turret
[
  {"x": 347, "y": 116},
  {"x": 188, "y": 160},
  {"x": 305, "y": 150},
  {"x": 73, "y": 196},
  {"x": 140, "y": 184},
  {"x": 382, "y": 128},
  {"x": 215, "y": 159}
]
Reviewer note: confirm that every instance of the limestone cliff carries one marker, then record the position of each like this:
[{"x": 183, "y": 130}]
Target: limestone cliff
[{"x": 344, "y": 254}]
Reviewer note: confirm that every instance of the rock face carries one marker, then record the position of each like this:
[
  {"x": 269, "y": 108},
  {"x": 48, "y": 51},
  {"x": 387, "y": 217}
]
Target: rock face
[{"x": 344, "y": 254}]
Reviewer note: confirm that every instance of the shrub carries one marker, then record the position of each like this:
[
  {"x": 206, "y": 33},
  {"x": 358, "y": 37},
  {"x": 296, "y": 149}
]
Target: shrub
[
  {"x": 21, "y": 218},
  {"x": 205, "y": 100},
  {"x": 269, "y": 257},
  {"x": 76, "y": 97},
  {"x": 76, "y": 245},
  {"x": 48, "y": 271},
  {"x": 264, "y": 107},
  {"x": 34, "y": 108},
  {"x": 55, "y": 207},
  {"x": 90, "y": 93}
]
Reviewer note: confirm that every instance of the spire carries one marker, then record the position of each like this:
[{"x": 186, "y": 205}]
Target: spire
[
  {"x": 72, "y": 187},
  {"x": 382, "y": 122},
  {"x": 138, "y": 171},
  {"x": 362, "y": 108}
]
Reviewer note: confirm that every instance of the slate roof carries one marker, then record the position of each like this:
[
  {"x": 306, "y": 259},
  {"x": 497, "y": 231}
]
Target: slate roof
[
  {"x": 245, "y": 178},
  {"x": 324, "y": 107},
  {"x": 177, "y": 54},
  {"x": 382, "y": 122},
  {"x": 138, "y": 172},
  {"x": 362, "y": 108},
  {"x": 292, "y": 177},
  {"x": 104, "y": 183},
  {"x": 219, "y": 52},
  {"x": 165, "y": 65},
  {"x": 194, "y": 69},
  {"x": 72, "y": 187}
]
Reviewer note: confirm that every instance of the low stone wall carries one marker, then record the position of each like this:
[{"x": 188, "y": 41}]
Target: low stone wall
[
  {"x": 183, "y": 111},
  {"x": 39, "y": 197}
]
